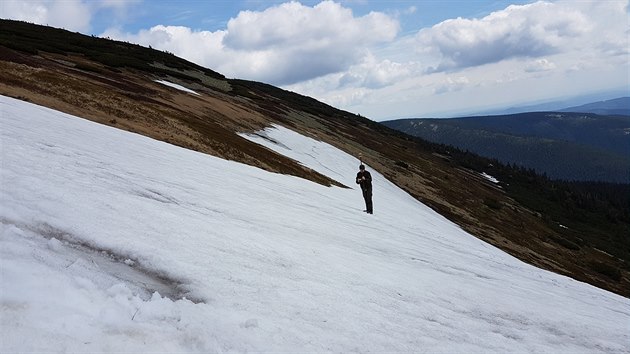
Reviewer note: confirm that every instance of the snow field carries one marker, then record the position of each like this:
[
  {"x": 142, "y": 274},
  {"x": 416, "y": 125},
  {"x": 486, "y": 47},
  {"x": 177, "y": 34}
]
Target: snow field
[{"x": 99, "y": 226}]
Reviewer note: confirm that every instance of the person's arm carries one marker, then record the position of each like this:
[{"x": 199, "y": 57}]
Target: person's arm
[{"x": 368, "y": 176}]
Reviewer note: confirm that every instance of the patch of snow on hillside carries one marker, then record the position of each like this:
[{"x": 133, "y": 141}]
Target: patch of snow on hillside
[
  {"x": 489, "y": 178},
  {"x": 114, "y": 242},
  {"x": 176, "y": 86}
]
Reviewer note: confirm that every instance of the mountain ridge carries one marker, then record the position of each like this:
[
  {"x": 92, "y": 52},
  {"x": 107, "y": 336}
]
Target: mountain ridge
[
  {"x": 615, "y": 106},
  {"x": 564, "y": 145},
  {"x": 553, "y": 106}
]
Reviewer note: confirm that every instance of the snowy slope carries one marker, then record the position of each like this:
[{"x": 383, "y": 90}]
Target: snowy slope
[{"x": 110, "y": 241}]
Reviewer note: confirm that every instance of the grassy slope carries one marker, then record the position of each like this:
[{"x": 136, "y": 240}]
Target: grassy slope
[{"x": 118, "y": 89}]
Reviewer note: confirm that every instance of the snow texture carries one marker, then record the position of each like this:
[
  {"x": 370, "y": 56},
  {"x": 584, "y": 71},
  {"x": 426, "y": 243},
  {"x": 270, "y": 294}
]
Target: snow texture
[
  {"x": 489, "y": 178},
  {"x": 114, "y": 242},
  {"x": 176, "y": 86}
]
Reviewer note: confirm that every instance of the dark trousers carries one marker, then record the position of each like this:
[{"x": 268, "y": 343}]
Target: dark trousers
[{"x": 367, "y": 195}]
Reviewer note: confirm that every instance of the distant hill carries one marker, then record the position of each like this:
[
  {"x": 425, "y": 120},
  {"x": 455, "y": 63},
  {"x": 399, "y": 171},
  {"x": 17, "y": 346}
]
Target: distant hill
[
  {"x": 559, "y": 105},
  {"x": 617, "y": 106},
  {"x": 564, "y": 145}
]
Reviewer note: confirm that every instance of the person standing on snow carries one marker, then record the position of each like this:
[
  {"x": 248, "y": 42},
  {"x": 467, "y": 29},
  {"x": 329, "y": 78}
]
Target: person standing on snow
[{"x": 364, "y": 179}]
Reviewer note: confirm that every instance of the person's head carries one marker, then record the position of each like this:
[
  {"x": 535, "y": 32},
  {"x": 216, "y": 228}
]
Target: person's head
[{"x": 361, "y": 167}]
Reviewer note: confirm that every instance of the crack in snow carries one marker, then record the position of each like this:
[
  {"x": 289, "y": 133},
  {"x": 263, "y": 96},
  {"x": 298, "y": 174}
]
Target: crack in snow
[{"x": 80, "y": 254}]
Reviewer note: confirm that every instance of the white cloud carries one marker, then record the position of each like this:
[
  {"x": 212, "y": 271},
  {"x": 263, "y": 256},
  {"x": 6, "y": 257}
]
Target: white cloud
[
  {"x": 74, "y": 15},
  {"x": 360, "y": 63},
  {"x": 532, "y": 30},
  {"x": 116, "y": 4},
  {"x": 452, "y": 85},
  {"x": 282, "y": 45},
  {"x": 202, "y": 47},
  {"x": 373, "y": 73},
  {"x": 410, "y": 10},
  {"x": 349, "y": 98},
  {"x": 296, "y": 25},
  {"x": 385, "y": 73},
  {"x": 562, "y": 48},
  {"x": 540, "y": 65}
]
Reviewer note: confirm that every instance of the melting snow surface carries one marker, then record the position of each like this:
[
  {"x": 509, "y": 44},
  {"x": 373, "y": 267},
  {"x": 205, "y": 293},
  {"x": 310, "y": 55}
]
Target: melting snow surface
[
  {"x": 176, "y": 86},
  {"x": 489, "y": 178},
  {"x": 111, "y": 242}
]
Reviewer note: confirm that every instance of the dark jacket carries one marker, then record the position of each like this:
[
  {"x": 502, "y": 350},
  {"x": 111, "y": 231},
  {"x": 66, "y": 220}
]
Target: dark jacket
[{"x": 366, "y": 183}]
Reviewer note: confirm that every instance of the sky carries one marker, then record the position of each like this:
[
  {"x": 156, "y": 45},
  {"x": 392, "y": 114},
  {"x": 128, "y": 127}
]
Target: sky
[
  {"x": 381, "y": 59},
  {"x": 112, "y": 242}
]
